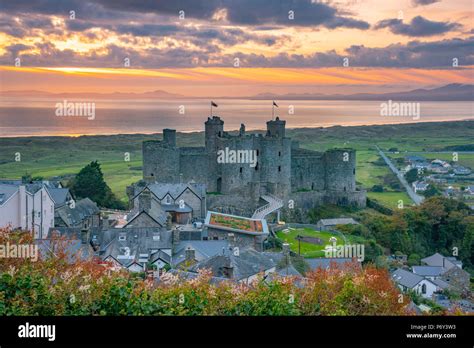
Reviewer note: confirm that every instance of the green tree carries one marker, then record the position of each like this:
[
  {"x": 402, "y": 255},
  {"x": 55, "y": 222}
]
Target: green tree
[
  {"x": 413, "y": 260},
  {"x": 412, "y": 175},
  {"x": 89, "y": 182}
]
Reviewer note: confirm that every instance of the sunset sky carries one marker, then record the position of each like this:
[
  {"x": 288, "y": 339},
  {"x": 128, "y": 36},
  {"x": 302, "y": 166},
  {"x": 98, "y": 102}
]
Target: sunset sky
[{"x": 390, "y": 45}]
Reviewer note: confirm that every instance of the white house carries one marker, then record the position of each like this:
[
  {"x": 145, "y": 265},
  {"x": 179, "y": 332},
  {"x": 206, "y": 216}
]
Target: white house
[
  {"x": 409, "y": 281},
  {"x": 31, "y": 206},
  {"x": 420, "y": 186}
]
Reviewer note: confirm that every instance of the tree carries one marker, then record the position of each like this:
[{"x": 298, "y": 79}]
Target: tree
[
  {"x": 377, "y": 188},
  {"x": 89, "y": 182},
  {"x": 413, "y": 260},
  {"x": 412, "y": 175},
  {"x": 431, "y": 191}
]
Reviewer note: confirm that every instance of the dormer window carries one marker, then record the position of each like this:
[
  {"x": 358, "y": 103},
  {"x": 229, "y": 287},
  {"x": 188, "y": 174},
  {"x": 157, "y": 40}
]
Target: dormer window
[
  {"x": 168, "y": 200},
  {"x": 122, "y": 238}
]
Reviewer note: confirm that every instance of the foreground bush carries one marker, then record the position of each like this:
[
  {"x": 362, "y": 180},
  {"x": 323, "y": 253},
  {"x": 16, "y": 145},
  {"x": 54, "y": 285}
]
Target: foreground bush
[{"x": 56, "y": 286}]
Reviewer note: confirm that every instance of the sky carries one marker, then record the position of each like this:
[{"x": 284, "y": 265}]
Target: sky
[{"x": 235, "y": 47}]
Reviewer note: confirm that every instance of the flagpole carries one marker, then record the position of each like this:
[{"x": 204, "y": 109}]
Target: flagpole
[
  {"x": 273, "y": 110},
  {"x": 211, "y": 109}
]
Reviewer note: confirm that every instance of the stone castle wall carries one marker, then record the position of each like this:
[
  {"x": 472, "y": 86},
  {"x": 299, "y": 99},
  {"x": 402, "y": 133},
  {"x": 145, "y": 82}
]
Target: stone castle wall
[{"x": 282, "y": 169}]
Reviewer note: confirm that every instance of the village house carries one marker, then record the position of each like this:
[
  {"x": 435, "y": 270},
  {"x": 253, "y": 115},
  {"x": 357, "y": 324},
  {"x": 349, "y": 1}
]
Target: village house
[
  {"x": 31, "y": 205},
  {"x": 81, "y": 214},
  {"x": 420, "y": 186},
  {"x": 330, "y": 224},
  {"x": 408, "y": 281},
  {"x": 246, "y": 232},
  {"x": 241, "y": 265}
]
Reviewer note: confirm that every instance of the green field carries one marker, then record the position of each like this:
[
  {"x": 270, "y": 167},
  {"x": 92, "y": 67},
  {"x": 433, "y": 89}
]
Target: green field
[
  {"x": 307, "y": 249},
  {"x": 64, "y": 156}
]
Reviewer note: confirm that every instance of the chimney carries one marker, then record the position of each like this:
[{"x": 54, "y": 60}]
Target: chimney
[
  {"x": 175, "y": 235},
  {"x": 190, "y": 254},
  {"x": 231, "y": 239},
  {"x": 84, "y": 236},
  {"x": 144, "y": 201}
]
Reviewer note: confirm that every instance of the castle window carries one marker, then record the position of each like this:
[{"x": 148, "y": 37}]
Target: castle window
[
  {"x": 257, "y": 153},
  {"x": 152, "y": 174},
  {"x": 279, "y": 153},
  {"x": 241, "y": 169},
  {"x": 279, "y": 168},
  {"x": 256, "y": 167},
  {"x": 353, "y": 171}
]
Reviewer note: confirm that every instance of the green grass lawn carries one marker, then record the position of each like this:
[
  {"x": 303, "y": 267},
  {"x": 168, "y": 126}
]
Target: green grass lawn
[
  {"x": 307, "y": 249},
  {"x": 390, "y": 199}
]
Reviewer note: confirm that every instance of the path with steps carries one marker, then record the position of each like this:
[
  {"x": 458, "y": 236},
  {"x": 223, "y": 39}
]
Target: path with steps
[{"x": 274, "y": 203}]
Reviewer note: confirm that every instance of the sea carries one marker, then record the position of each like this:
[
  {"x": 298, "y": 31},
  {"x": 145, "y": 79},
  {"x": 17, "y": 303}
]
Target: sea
[{"x": 24, "y": 117}]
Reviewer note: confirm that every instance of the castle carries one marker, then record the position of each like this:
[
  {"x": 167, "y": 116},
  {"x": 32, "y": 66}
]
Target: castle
[{"x": 281, "y": 168}]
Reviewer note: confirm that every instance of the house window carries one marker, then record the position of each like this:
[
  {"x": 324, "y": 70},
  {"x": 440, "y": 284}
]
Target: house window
[
  {"x": 168, "y": 200},
  {"x": 215, "y": 238},
  {"x": 423, "y": 289}
]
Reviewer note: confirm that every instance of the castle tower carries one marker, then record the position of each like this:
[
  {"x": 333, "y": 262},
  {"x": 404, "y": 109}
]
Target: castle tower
[
  {"x": 276, "y": 128},
  {"x": 161, "y": 159},
  {"x": 214, "y": 127},
  {"x": 340, "y": 170},
  {"x": 169, "y": 137}
]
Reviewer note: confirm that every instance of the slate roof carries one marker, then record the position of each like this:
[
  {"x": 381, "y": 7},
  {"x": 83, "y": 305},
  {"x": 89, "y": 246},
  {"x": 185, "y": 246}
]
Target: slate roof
[
  {"x": 156, "y": 214},
  {"x": 59, "y": 195},
  {"x": 73, "y": 247},
  {"x": 82, "y": 210},
  {"x": 9, "y": 187},
  {"x": 288, "y": 271},
  {"x": 185, "y": 275},
  {"x": 439, "y": 260},
  {"x": 441, "y": 283},
  {"x": 428, "y": 271},
  {"x": 177, "y": 208},
  {"x": 406, "y": 278},
  {"x": 248, "y": 263},
  {"x": 160, "y": 190},
  {"x": 204, "y": 249},
  {"x": 137, "y": 240},
  {"x": 160, "y": 254},
  {"x": 6, "y": 191}
]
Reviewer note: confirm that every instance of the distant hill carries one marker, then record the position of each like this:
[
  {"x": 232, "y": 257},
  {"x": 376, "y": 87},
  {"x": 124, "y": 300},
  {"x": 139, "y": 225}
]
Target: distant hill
[
  {"x": 451, "y": 92},
  {"x": 158, "y": 94}
]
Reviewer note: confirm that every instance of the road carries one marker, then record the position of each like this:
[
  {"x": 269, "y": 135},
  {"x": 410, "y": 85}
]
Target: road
[{"x": 417, "y": 199}]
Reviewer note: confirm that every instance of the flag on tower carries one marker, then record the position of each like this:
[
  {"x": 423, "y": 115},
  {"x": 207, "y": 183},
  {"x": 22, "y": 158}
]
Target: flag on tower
[
  {"x": 275, "y": 104},
  {"x": 214, "y": 104}
]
